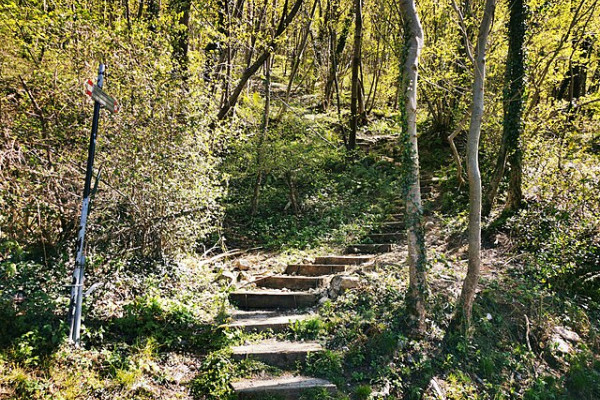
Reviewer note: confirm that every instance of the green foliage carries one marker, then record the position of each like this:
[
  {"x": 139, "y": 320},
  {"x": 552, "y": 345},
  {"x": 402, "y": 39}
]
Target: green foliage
[
  {"x": 212, "y": 382},
  {"x": 159, "y": 179},
  {"x": 363, "y": 392},
  {"x": 308, "y": 329},
  {"x": 218, "y": 370},
  {"x": 326, "y": 364},
  {"x": 321, "y": 394},
  {"x": 583, "y": 378},
  {"x": 564, "y": 247},
  {"x": 582, "y": 381},
  {"x": 337, "y": 197}
]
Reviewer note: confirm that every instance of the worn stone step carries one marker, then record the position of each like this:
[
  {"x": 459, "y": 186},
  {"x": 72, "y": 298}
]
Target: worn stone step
[
  {"x": 343, "y": 260},
  {"x": 263, "y": 299},
  {"x": 314, "y": 269},
  {"x": 291, "y": 282},
  {"x": 390, "y": 226},
  {"x": 393, "y": 224},
  {"x": 369, "y": 248},
  {"x": 283, "y": 387},
  {"x": 261, "y": 323},
  {"x": 397, "y": 217},
  {"x": 282, "y": 354},
  {"x": 389, "y": 237}
]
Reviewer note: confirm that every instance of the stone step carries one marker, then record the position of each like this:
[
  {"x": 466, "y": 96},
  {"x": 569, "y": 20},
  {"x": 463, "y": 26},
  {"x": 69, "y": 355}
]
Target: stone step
[
  {"x": 291, "y": 282},
  {"x": 283, "y": 387},
  {"x": 343, "y": 260},
  {"x": 390, "y": 237},
  {"x": 397, "y": 217},
  {"x": 393, "y": 224},
  {"x": 280, "y": 354},
  {"x": 369, "y": 248},
  {"x": 314, "y": 269},
  {"x": 261, "y": 323},
  {"x": 390, "y": 227},
  {"x": 273, "y": 299}
]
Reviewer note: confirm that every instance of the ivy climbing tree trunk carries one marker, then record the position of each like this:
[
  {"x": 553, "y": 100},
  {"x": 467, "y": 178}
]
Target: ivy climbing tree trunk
[
  {"x": 462, "y": 317},
  {"x": 512, "y": 126},
  {"x": 417, "y": 262}
]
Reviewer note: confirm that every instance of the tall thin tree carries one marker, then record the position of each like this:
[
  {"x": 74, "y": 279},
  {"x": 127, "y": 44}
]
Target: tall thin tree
[
  {"x": 413, "y": 42},
  {"x": 462, "y": 317},
  {"x": 512, "y": 126},
  {"x": 356, "y": 86}
]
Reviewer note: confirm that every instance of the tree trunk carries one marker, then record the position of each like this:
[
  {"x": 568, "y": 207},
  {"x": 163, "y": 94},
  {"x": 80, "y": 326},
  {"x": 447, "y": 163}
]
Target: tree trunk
[
  {"x": 181, "y": 36},
  {"x": 514, "y": 82},
  {"x": 251, "y": 70},
  {"x": 417, "y": 262},
  {"x": 462, "y": 317},
  {"x": 356, "y": 57},
  {"x": 337, "y": 48},
  {"x": 263, "y": 135},
  {"x": 298, "y": 59},
  {"x": 214, "y": 49},
  {"x": 153, "y": 14}
]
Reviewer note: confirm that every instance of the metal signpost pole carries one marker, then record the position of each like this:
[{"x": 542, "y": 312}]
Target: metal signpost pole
[{"x": 77, "y": 287}]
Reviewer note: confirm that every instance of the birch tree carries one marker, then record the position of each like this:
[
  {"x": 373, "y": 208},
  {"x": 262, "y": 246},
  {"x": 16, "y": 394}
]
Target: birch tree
[
  {"x": 462, "y": 317},
  {"x": 413, "y": 42}
]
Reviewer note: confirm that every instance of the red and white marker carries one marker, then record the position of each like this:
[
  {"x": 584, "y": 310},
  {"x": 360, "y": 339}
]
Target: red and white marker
[{"x": 101, "y": 97}]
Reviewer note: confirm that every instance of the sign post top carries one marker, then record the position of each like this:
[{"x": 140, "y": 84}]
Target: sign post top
[{"x": 101, "y": 97}]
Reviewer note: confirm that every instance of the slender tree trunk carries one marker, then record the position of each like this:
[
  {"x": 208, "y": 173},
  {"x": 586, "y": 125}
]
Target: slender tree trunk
[
  {"x": 462, "y": 317},
  {"x": 337, "y": 50},
  {"x": 153, "y": 14},
  {"x": 417, "y": 262},
  {"x": 214, "y": 49},
  {"x": 298, "y": 59},
  {"x": 127, "y": 15},
  {"x": 260, "y": 151},
  {"x": 251, "y": 70},
  {"x": 514, "y": 82},
  {"x": 356, "y": 57},
  {"x": 373, "y": 87},
  {"x": 181, "y": 36}
]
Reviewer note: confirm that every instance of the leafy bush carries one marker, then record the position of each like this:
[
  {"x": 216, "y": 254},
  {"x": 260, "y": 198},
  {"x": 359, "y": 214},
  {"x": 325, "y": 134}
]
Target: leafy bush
[{"x": 159, "y": 181}]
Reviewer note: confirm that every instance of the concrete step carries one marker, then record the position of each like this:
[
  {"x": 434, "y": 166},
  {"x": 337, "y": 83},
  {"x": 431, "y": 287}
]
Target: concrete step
[
  {"x": 369, "y": 248},
  {"x": 291, "y": 282},
  {"x": 283, "y": 387},
  {"x": 390, "y": 237},
  {"x": 273, "y": 299},
  {"x": 261, "y": 323},
  {"x": 314, "y": 269},
  {"x": 343, "y": 260},
  {"x": 280, "y": 354}
]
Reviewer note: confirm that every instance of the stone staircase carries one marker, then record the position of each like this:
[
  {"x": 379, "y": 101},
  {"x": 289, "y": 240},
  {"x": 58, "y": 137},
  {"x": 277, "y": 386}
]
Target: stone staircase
[
  {"x": 274, "y": 304},
  {"x": 278, "y": 301},
  {"x": 385, "y": 236}
]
